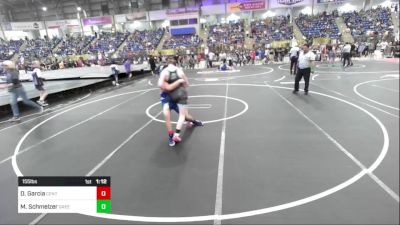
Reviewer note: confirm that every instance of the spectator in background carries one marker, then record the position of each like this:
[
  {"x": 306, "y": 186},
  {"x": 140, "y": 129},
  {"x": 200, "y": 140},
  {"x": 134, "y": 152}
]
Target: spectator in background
[
  {"x": 127, "y": 66},
  {"x": 22, "y": 60},
  {"x": 211, "y": 56},
  {"x": 222, "y": 56},
  {"x": 200, "y": 56},
  {"x": 331, "y": 53},
  {"x": 229, "y": 58},
  {"x": 152, "y": 62},
  {"x": 37, "y": 79},
  {"x": 224, "y": 66},
  {"x": 191, "y": 62},
  {"x": 61, "y": 65},
  {"x": 253, "y": 56},
  {"x": 16, "y": 90},
  {"x": 115, "y": 73},
  {"x": 80, "y": 62},
  {"x": 294, "y": 56}
]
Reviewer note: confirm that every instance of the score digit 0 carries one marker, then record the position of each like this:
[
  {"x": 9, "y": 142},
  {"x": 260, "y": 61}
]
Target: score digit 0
[{"x": 103, "y": 193}]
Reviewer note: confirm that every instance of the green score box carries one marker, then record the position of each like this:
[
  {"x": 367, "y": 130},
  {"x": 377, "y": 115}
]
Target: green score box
[{"x": 103, "y": 206}]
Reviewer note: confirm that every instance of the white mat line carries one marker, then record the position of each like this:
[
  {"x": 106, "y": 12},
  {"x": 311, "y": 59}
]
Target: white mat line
[
  {"x": 342, "y": 149},
  {"x": 385, "y": 88},
  {"x": 379, "y": 109},
  {"x": 283, "y": 77},
  {"x": 73, "y": 126},
  {"x": 220, "y": 179}
]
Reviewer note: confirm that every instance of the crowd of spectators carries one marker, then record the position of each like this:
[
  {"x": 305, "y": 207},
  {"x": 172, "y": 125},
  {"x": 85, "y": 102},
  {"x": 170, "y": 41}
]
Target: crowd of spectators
[
  {"x": 143, "y": 41},
  {"x": 375, "y": 20},
  {"x": 271, "y": 29},
  {"x": 74, "y": 45},
  {"x": 186, "y": 41},
  {"x": 226, "y": 34},
  {"x": 9, "y": 48},
  {"x": 322, "y": 25},
  {"x": 108, "y": 42},
  {"x": 39, "y": 48},
  {"x": 225, "y": 40}
]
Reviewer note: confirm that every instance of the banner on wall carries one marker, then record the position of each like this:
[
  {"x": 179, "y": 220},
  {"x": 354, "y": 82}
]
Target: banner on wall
[
  {"x": 35, "y": 25},
  {"x": 131, "y": 17},
  {"x": 245, "y": 6},
  {"x": 182, "y": 13},
  {"x": 288, "y": 3},
  {"x": 100, "y": 20},
  {"x": 62, "y": 23},
  {"x": 329, "y": 1}
]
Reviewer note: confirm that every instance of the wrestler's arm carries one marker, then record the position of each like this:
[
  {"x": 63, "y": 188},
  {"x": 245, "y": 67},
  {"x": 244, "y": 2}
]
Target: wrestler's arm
[{"x": 168, "y": 87}]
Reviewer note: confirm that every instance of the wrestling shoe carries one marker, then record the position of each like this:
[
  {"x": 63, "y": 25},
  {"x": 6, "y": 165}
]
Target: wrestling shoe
[
  {"x": 171, "y": 142},
  {"x": 42, "y": 103},
  {"x": 177, "y": 139},
  {"x": 197, "y": 123}
]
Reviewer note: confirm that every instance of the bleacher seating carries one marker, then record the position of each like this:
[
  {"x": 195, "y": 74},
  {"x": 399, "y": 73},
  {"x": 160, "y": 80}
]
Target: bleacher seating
[
  {"x": 9, "y": 48},
  {"x": 272, "y": 29},
  {"x": 321, "y": 25},
  {"x": 40, "y": 48},
  {"x": 232, "y": 33},
  {"x": 187, "y": 41},
  {"x": 143, "y": 41},
  {"x": 108, "y": 42},
  {"x": 74, "y": 45},
  {"x": 375, "y": 20}
]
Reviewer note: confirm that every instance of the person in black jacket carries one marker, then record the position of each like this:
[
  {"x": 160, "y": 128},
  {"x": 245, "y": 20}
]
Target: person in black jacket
[{"x": 152, "y": 62}]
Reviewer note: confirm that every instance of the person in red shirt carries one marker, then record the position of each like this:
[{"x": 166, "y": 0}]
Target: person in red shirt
[{"x": 253, "y": 56}]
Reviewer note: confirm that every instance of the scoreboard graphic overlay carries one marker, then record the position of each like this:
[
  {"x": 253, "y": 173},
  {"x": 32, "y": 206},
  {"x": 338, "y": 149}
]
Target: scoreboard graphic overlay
[{"x": 64, "y": 194}]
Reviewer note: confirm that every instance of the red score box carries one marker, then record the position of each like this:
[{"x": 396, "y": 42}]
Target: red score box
[{"x": 103, "y": 193}]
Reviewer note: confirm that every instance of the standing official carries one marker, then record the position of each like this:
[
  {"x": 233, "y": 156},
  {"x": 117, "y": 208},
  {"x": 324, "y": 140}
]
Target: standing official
[
  {"x": 346, "y": 54},
  {"x": 304, "y": 68},
  {"x": 294, "y": 57}
]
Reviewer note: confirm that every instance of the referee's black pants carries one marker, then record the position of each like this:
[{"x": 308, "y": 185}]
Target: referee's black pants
[
  {"x": 300, "y": 74},
  {"x": 346, "y": 57}
]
